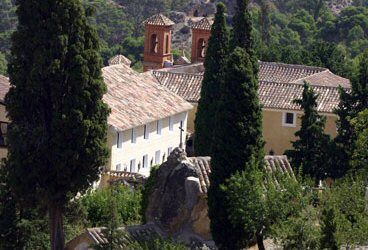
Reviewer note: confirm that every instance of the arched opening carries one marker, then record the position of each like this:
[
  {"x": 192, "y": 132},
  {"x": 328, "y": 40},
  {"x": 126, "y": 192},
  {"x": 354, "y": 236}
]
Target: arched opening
[
  {"x": 167, "y": 44},
  {"x": 196, "y": 14},
  {"x": 201, "y": 48},
  {"x": 154, "y": 43}
]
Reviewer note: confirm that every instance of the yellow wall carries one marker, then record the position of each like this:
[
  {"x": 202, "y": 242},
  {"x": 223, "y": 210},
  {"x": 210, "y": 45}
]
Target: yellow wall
[
  {"x": 128, "y": 151},
  {"x": 277, "y": 137},
  {"x": 191, "y": 117}
]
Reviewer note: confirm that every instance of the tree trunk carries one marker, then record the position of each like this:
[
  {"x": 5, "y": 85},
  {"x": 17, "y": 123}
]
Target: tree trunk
[
  {"x": 260, "y": 242},
  {"x": 56, "y": 228}
]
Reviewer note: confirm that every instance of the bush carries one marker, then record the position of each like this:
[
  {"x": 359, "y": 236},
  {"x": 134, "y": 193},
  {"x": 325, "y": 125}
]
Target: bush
[
  {"x": 128, "y": 203},
  {"x": 146, "y": 191}
]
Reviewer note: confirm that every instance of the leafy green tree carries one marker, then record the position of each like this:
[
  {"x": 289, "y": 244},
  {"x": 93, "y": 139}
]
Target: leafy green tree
[
  {"x": 350, "y": 106},
  {"x": 328, "y": 230},
  {"x": 311, "y": 150},
  {"x": 98, "y": 207},
  {"x": 347, "y": 199},
  {"x": 238, "y": 141},
  {"x": 360, "y": 154},
  {"x": 55, "y": 101},
  {"x": 214, "y": 74},
  {"x": 3, "y": 64}
]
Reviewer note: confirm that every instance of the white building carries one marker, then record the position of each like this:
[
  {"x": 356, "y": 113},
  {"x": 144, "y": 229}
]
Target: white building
[{"x": 146, "y": 122}]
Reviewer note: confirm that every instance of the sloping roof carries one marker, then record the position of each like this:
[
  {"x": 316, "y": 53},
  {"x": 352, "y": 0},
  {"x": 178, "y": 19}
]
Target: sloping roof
[
  {"x": 280, "y": 84},
  {"x": 159, "y": 20},
  {"x": 132, "y": 233},
  {"x": 186, "y": 85},
  {"x": 204, "y": 24},
  {"x": 4, "y": 87},
  {"x": 281, "y": 95},
  {"x": 119, "y": 59},
  {"x": 273, "y": 164},
  {"x": 137, "y": 100}
]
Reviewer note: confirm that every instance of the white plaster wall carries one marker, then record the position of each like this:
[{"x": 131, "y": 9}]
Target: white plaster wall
[{"x": 149, "y": 146}]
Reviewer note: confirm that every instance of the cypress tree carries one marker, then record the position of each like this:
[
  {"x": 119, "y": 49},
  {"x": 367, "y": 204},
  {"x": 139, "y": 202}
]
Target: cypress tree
[
  {"x": 351, "y": 104},
  {"x": 243, "y": 31},
  {"x": 311, "y": 150},
  {"x": 238, "y": 142},
  {"x": 213, "y": 77},
  {"x": 57, "y": 135}
]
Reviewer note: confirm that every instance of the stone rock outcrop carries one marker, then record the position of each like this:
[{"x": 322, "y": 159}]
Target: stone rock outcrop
[{"x": 178, "y": 199}]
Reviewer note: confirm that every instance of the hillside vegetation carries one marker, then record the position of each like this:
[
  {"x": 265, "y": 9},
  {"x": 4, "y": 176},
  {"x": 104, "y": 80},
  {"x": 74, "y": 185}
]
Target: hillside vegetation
[{"x": 316, "y": 32}]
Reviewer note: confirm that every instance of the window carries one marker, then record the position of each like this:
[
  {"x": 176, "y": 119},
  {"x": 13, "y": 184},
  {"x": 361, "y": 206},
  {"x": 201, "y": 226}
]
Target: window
[
  {"x": 159, "y": 127},
  {"x": 132, "y": 166},
  {"x": 289, "y": 119},
  {"x": 146, "y": 132},
  {"x": 134, "y": 138},
  {"x": 145, "y": 161},
  {"x": 118, "y": 167},
  {"x": 119, "y": 142},
  {"x": 158, "y": 157},
  {"x": 169, "y": 151},
  {"x": 171, "y": 124}
]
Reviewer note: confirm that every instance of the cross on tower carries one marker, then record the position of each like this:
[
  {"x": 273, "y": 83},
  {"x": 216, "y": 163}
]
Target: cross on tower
[{"x": 181, "y": 134}]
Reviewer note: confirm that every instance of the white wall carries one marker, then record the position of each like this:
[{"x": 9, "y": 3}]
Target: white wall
[{"x": 155, "y": 142}]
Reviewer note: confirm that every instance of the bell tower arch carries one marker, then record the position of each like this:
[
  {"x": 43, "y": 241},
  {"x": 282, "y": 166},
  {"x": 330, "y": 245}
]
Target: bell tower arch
[
  {"x": 157, "y": 44},
  {"x": 201, "y": 32}
]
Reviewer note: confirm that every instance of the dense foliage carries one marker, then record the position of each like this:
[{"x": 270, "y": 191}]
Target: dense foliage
[
  {"x": 55, "y": 101},
  {"x": 303, "y": 32},
  {"x": 351, "y": 104},
  {"x": 214, "y": 77},
  {"x": 126, "y": 202}
]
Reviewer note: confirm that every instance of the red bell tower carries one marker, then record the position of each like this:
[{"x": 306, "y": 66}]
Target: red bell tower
[
  {"x": 157, "y": 44},
  {"x": 201, "y": 32}
]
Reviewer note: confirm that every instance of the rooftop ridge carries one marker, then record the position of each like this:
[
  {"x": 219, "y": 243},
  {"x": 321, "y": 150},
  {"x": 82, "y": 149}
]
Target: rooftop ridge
[
  {"x": 299, "y": 84},
  {"x": 297, "y": 66},
  {"x": 159, "y": 20},
  {"x": 177, "y": 73}
]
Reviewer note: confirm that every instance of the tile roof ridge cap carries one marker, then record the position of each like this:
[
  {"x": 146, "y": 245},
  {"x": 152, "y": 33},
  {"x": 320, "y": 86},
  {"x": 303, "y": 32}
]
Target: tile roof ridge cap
[
  {"x": 177, "y": 73},
  {"x": 300, "y": 84},
  {"x": 315, "y": 74},
  {"x": 294, "y": 65}
]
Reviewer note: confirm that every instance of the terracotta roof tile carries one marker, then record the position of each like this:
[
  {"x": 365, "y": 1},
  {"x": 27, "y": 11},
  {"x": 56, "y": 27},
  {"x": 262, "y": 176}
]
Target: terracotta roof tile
[
  {"x": 280, "y": 72},
  {"x": 204, "y": 24},
  {"x": 120, "y": 59},
  {"x": 4, "y": 87},
  {"x": 137, "y": 100},
  {"x": 273, "y": 164},
  {"x": 187, "y": 86},
  {"x": 159, "y": 20},
  {"x": 280, "y": 84}
]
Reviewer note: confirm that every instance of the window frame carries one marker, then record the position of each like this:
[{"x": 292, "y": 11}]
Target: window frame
[
  {"x": 146, "y": 132},
  {"x": 133, "y": 136},
  {"x": 284, "y": 117}
]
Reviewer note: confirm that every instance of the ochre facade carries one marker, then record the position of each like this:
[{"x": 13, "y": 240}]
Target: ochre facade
[
  {"x": 157, "y": 46},
  {"x": 277, "y": 136}
]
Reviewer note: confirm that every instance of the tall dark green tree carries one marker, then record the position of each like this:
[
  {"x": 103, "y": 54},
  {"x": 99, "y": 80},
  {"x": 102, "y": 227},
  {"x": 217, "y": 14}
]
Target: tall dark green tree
[
  {"x": 237, "y": 142},
  {"x": 57, "y": 137},
  {"x": 311, "y": 150},
  {"x": 243, "y": 31},
  {"x": 351, "y": 104},
  {"x": 215, "y": 61}
]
